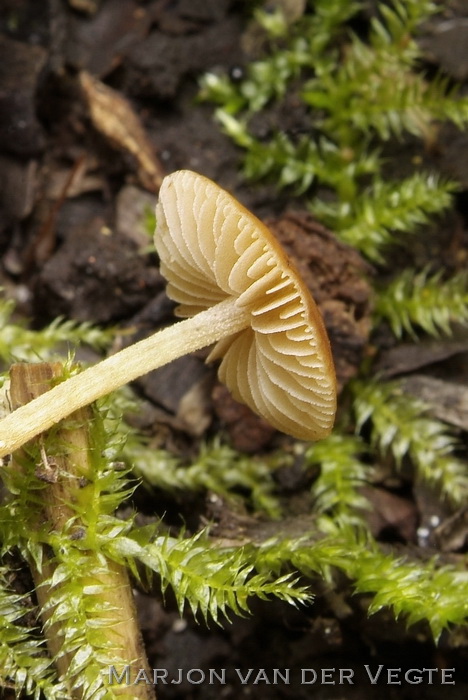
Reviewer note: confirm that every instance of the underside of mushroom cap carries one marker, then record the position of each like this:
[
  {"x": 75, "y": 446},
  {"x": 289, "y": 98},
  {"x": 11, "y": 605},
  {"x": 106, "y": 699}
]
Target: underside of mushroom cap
[{"x": 211, "y": 248}]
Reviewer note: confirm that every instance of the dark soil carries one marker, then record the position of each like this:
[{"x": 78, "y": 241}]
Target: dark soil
[{"x": 97, "y": 103}]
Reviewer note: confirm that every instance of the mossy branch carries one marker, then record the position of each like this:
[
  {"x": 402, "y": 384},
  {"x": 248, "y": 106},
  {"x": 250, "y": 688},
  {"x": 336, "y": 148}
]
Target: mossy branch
[
  {"x": 421, "y": 301},
  {"x": 377, "y": 89},
  {"x": 336, "y": 490},
  {"x": 386, "y": 212},
  {"x": 85, "y": 599},
  {"x": 212, "y": 581},
  {"x": 434, "y": 593},
  {"x": 369, "y": 94},
  {"x": 24, "y": 664},
  {"x": 60, "y": 517},
  {"x": 400, "y": 425},
  {"x": 268, "y": 78}
]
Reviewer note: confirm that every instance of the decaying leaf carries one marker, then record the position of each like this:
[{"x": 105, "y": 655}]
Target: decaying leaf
[
  {"x": 88, "y": 6},
  {"x": 408, "y": 357},
  {"x": 113, "y": 116},
  {"x": 452, "y": 534},
  {"x": 448, "y": 400}
]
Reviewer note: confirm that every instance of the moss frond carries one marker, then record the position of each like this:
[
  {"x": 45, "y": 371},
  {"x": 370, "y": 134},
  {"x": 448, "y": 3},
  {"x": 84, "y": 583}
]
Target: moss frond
[
  {"x": 76, "y": 574},
  {"x": 418, "y": 301},
  {"x": 24, "y": 663},
  {"x": 369, "y": 93},
  {"x": 218, "y": 468},
  {"x": 342, "y": 474},
  {"x": 400, "y": 425},
  {"x": 371, "y": 221},
  {"x": 299, "y": 163},
  {"x": 212, "y": 581},
  {"x": 20, "y": 344},
  {"x": 434, "y": 593},
  {"x": 376, "y": 88},
  {"x": 76, "y": 607},
  {"x": 268, "y": 78}
]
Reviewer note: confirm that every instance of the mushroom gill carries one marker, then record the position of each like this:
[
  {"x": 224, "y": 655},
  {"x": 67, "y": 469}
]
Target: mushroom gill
[{"x": 211, "y": 248}]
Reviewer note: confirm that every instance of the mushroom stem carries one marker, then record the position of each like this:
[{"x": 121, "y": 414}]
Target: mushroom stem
[{"x": 207, "y": 327}]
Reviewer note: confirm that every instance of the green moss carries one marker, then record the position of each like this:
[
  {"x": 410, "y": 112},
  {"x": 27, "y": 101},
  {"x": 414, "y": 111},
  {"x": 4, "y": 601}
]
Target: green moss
[
  {"x": 343, "y": 473},
  {"x": 400, "y": 425},
  {"x": 420, "y": 302},
  {"x": 433, "y": 593},
  {"x": 20, "y": 344},
  {"x": 337, "y": 165},
  {"x": 79, "y": 556},
  {"x": 217, "y": 468},
  {"x": 360, "y": 94}
]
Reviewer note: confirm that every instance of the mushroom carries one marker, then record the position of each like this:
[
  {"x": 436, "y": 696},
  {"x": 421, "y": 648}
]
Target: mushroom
[{"x": 239, "y": 290}]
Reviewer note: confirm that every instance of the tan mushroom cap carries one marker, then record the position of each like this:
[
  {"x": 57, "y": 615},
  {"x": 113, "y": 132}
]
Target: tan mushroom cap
[{"x": 211, "y": 248}]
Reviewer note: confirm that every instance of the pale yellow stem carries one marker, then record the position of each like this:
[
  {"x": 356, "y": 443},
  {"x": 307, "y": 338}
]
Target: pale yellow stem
[{"x": 82, "y": 389}]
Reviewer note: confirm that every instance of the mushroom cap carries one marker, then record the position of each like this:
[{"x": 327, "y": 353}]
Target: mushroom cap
[{"x": 212, "y": 248}]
